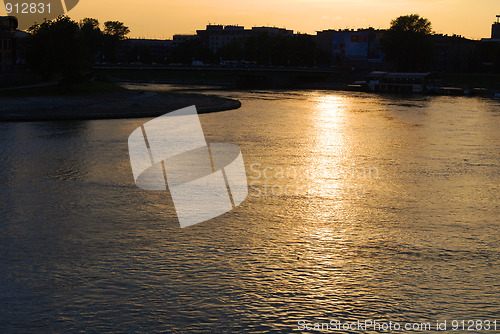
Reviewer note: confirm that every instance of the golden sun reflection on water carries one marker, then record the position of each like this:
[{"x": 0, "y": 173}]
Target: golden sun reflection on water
[
  {"x": 330, "y": 104},
  {"x": 329, "y": 144}
]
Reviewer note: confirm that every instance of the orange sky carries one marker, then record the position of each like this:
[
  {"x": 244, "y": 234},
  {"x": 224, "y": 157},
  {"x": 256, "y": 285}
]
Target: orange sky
[{"x": 164, "y": 18}]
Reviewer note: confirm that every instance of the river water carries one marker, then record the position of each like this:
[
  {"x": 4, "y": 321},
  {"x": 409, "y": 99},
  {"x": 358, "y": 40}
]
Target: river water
[{"x": 360, "y": 207}]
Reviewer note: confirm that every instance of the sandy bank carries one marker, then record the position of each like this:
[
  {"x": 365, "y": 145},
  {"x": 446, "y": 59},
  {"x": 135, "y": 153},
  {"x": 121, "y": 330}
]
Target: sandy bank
[{"x": 127, "y": 104}]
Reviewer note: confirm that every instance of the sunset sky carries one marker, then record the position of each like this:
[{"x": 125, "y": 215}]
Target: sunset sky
[{"x": 162, "y": 19}]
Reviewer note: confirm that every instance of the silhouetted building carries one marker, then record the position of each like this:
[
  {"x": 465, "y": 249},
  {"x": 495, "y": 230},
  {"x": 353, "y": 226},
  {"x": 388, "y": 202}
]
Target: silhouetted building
[
  {"x": 495, "y": 29},
  {"x": 216, "y": 37},
  {"x": 324, "y": 40},
  {"x": 20, "y": 48},
  {"x": 8, "y": 26},
  {"x": 452, "y": 53},
  {"x": 495, "y": 32},
  {"x": 351, "y": 47},
  {"x": 179, "y": 39},
  {"x": 272, "y": 31},
  {"x": 145, "y": 50}
]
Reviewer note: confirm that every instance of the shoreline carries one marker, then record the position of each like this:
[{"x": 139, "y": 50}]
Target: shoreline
[
  {"x": 274, "y": 77},
  {"x": 128, "y": 103},
  {"x": 119, "y": 105}
]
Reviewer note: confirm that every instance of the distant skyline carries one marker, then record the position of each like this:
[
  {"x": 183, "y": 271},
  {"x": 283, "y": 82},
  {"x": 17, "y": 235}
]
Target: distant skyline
[{"x": 162, "y": 19}]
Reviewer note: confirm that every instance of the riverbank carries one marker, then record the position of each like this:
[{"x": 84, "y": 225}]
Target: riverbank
[
  {"x": 273, "y": 77},
  {"x": 108, "y": 105}
]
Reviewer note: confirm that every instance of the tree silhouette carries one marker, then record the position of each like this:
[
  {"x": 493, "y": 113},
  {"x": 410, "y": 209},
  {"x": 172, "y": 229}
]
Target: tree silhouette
[
  {"x": 114, "y": 33},
  {"x": 91, "y": 37},
  {"x": 55, "y": 50},
  {"x": 407, "y": 43},
  {"x": 116, "y": 29}
]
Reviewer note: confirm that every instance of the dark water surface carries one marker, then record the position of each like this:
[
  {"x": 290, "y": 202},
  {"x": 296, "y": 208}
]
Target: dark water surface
[{"x": 360, "y": 207}]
